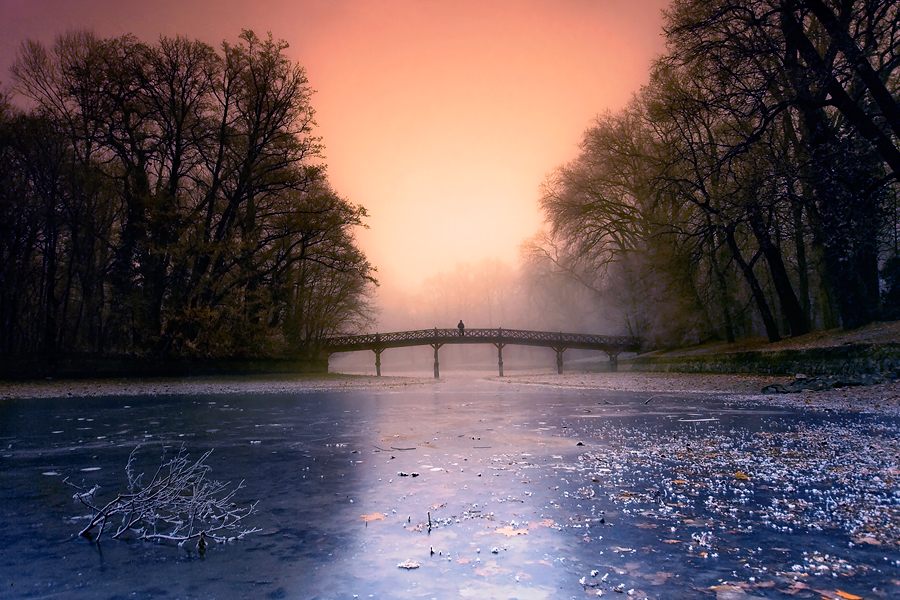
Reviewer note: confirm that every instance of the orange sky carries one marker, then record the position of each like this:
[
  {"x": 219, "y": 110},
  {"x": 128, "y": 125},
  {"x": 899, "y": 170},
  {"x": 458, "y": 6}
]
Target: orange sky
[{"x": 441, "y": 117}]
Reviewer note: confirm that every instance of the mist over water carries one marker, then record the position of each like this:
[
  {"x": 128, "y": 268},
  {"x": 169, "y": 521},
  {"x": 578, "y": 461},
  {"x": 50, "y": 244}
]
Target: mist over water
[{"x": 490, "y": 294}]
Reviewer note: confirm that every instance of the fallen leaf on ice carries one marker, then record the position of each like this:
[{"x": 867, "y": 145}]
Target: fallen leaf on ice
[
  {"x": 867, "y": 539},
  {"x": 742, "y": 476},
  {"x": 490, "y": 568},
  {"x": 373, "y": 517},
  {"x": 508, "y": 531},
  {"x": 660, "y": 578},
  {"x": 795, "y": 588},
  {"x": 848, "y": 596},
  {"x": 544, "y": 523}
]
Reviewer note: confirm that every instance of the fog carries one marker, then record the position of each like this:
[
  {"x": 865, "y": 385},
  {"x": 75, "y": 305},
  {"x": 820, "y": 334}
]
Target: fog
[
  {"x": 487, "y": 294},
  {"x": 440, "y": 118}
]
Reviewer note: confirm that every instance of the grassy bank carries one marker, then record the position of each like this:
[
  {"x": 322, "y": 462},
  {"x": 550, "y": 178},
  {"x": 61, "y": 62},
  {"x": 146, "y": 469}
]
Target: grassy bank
[
  {"x": 80, "y": 367},
  {"x": 871, "y": 349}
]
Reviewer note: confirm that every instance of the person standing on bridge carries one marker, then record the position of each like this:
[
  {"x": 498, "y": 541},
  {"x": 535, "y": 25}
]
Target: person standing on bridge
[{"x": 461, "y": 327}]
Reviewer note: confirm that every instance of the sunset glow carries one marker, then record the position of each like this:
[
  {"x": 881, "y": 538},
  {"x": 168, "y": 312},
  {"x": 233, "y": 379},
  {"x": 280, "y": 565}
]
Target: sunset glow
[{"x": 441, "y": 118}]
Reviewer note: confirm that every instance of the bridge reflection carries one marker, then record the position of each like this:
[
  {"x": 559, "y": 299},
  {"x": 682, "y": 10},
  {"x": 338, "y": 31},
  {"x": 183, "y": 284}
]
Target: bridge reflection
[{"x": 499, "y": 338}]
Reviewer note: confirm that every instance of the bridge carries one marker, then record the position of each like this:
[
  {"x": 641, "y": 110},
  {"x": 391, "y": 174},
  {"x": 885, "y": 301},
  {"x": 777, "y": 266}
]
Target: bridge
[{"x": 499, "y": 338}]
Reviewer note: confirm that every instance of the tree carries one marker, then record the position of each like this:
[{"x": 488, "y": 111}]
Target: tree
[
  {"x": 191, "y": 191},
  {"x": 757, "y": 168},
  {"x": 615, "y": 232},
  {"x": 832, "y": 71}
]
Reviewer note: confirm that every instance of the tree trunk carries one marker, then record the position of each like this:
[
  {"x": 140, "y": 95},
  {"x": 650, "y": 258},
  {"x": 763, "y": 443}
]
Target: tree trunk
[
  {"x": 758, "y": 296},
  {"x": 790, "y": 306},
  {"x": 802, "y": 264}
]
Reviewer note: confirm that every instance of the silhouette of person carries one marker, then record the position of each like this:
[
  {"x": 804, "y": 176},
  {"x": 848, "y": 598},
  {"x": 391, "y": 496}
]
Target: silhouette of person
[{"x": 461, "y": 327}]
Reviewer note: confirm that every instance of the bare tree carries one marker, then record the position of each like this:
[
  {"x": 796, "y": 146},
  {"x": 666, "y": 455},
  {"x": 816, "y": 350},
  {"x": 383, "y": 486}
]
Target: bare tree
[
  {"x": 179, "y": 208},
  {"x": 825, "y": 74}
]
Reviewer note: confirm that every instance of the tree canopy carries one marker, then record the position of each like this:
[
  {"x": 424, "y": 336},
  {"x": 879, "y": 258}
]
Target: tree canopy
[
  {"x": 169, "y": 199},
  {"x": 752, "y": 185}
]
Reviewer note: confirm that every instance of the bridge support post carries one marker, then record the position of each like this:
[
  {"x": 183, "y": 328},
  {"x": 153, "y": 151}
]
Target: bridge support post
[
  {"x": 437, "y": 368},
  {"x": 500, "y": 357},
  {"x": 559, "y": 360},
  {"x": 377, "y": 352},
  {"x": 613, "y": 362}
]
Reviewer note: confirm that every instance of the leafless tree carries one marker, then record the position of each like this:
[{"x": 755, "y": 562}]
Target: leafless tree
[
  {"x": 757, "y": 170},
  {"x": 170, "y": 200}
]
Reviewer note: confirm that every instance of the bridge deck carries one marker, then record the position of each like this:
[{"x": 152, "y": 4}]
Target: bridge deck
[
  {"x": 428, "y": 337},
  {"x": 558, "y": 341}
]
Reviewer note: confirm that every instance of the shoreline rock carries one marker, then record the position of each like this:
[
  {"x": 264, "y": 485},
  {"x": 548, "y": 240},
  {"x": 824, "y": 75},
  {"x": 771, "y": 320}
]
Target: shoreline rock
[{"x": 827, "y": 383}]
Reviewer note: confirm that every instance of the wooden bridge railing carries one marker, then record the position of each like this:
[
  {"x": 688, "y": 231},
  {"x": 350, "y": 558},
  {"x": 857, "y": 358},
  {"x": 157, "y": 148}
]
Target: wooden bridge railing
[{"x": 558, "y": 341}]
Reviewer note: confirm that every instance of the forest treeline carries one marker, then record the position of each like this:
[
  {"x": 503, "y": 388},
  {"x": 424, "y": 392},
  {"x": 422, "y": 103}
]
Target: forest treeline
[
  {"x": 169, "y": 200},
  {"x": 750, "y": 188}
]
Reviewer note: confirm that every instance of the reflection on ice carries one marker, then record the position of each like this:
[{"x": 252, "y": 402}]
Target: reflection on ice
[{"x": 539, "y": 494}]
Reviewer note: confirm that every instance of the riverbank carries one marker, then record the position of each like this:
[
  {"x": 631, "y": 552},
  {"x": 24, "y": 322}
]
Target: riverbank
[
  {"x": 87, "y": 367},
  {"x": 859, "y": 356},
  {"x": 881, "y": 398},
  {"x": 200, "y": 385}
]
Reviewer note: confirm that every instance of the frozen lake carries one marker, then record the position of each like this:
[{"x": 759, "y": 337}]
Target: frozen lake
[{"x": 536, "y": 494}]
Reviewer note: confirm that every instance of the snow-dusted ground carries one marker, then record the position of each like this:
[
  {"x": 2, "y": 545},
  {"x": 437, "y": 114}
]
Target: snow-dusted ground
[
  {"x": 257, "y": 384},
  {"x": 884, "y": 398}
]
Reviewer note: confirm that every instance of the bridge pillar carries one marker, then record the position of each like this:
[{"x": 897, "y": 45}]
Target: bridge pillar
[
  {"x": 613, "y": 362},
  {"x": 377, "y": 352},
  {"x": 500, "y": 357},
  {"x": 559, "y": 360},
  {"x": 437, "y": 368}
]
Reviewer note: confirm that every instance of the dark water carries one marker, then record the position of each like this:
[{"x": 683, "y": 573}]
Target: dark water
[{"x": 536, "y": 494}]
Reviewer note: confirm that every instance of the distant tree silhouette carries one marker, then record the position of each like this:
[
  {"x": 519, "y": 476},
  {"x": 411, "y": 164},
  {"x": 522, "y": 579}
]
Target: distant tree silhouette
[{"x": 169, "y": 200}]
